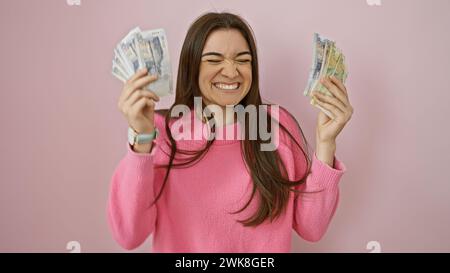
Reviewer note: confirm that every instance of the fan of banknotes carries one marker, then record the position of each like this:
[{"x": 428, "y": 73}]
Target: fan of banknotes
[
  {"x": 328, "y": 60},
  {"x": 144, "y": 49}
]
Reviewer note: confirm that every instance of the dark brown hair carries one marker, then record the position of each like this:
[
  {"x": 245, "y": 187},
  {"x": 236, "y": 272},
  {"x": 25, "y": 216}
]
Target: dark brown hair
[{"x": 267, "y": 171}]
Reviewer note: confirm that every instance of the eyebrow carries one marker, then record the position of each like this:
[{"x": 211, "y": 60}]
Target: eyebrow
[{"x": 221, "y": 55}]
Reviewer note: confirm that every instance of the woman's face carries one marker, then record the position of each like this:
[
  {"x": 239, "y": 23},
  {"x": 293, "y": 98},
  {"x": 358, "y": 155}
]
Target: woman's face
[{"x": 226, "y": 69}]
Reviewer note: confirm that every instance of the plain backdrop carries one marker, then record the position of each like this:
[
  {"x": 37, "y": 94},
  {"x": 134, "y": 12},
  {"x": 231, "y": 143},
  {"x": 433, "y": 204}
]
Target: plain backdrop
[{"x": 62, "y": 134}]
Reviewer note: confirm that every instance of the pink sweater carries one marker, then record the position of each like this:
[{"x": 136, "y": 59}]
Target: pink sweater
[{"x": 193, "y": 213}]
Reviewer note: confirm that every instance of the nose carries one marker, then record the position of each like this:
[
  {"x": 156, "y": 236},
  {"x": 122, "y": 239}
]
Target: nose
[{"x": 229, "y": 70}]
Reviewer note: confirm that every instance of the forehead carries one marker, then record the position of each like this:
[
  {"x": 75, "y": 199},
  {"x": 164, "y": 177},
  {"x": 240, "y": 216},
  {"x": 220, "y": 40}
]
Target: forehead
[{"x": 226, "y": 41}]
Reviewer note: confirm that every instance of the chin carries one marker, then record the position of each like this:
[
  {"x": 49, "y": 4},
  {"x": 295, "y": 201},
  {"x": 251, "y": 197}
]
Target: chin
[
  {"x": 229, "y": 99},
  {"x": 232, "y": 100}
]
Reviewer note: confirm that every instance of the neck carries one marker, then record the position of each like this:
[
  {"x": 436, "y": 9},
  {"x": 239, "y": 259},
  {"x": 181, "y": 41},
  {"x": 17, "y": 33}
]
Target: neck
[
  {"x": 227, "y": 117},
  {"x": 220, "y": 119}
]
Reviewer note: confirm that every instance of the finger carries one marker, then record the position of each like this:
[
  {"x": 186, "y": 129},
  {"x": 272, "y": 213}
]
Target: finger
[
  {"x": 331, "y": 100},
  {"x": 322, "y": 118},
  {"x": 138, "y": 95},
  {"x": 138, "y": 84},
  {"x": 339, "y": 84},
  {"x": 128, "y": 88},
  {"x": 133, "y": 98},
  {"x": 333, "y": 109},
  {"x": 138, "y": 74},
  {"x": 138, "y": 106},
  {"x": 144, "y": 81},
  {"x": 151, "y": 103},
  {"x": 147, "y": 93},
  {"x": 152, "y": 94},
  {"x": 335, "y": 90}
]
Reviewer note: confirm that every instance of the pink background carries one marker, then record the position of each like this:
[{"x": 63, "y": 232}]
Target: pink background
[{"x": 62, "y": 134}]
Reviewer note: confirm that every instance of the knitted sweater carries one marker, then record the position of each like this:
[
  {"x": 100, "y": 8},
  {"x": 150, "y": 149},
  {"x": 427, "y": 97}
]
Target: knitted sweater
[{"x": 193, "y": 213}]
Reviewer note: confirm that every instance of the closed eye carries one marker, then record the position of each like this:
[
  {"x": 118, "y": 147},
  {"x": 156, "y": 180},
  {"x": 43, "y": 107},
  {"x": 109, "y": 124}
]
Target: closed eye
[
  {"x": 219, "y": 61},
  {"x": 214, "y": 61},
  {"x": 243, "y": 61}
]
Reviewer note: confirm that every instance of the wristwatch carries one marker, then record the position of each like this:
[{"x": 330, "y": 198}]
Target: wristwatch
[{"x": 134, "y": 137}]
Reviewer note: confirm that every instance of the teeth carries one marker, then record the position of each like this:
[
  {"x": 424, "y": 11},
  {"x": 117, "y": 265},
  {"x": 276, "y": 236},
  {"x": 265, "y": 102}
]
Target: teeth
[{"x": 227, "y": 86}]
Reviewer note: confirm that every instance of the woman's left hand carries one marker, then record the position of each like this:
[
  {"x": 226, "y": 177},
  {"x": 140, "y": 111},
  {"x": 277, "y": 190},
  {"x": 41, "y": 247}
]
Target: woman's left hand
[{"x": 328, "y": 128}]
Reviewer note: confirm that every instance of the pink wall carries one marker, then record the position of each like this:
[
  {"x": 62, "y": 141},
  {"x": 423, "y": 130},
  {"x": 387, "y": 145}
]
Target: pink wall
[{"x": 62, "y": 134}]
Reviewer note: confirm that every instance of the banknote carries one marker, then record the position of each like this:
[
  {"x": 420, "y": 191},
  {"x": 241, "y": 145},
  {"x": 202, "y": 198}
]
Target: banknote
[
  {"x": 128, "y": 52},
  {"x": 328, "y": 60},
  {"x": 156, "y": 58},
  {"x": 145, "y": 49},
  {"x": 319, "y": 47}
]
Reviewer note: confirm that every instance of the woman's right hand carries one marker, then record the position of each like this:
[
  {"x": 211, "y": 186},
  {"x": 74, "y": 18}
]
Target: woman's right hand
[{"x": 138, "y": 104}]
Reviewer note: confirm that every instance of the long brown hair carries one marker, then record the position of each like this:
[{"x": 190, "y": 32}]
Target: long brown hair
[{"x": 267, "y": 170}]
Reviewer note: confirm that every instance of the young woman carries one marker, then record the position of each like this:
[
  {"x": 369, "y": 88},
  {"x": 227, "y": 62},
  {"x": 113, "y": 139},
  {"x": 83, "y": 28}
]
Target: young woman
[{"x": 215, "y": 194}]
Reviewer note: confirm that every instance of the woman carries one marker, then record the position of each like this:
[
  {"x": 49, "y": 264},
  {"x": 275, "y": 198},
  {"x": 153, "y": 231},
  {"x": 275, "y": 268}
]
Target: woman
[{"x": 223, "y": 195}]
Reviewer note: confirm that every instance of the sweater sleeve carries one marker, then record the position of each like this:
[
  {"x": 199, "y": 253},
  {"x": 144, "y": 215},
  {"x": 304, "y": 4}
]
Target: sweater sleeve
[
  {"x": 130, "y": 217},
  {"x": 315, "y": 206},
  {"x": 317, "y": 201}
]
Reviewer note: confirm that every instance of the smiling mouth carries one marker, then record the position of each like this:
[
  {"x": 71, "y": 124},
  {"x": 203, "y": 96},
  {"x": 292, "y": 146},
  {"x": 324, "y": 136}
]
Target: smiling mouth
[{"x": 226, "y": 86}]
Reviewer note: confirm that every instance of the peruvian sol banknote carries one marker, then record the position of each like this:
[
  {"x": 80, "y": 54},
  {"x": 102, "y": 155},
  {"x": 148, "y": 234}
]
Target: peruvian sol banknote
[
  {"x": 328, "y": 60},
  {"x": 144, "y": 49}
]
